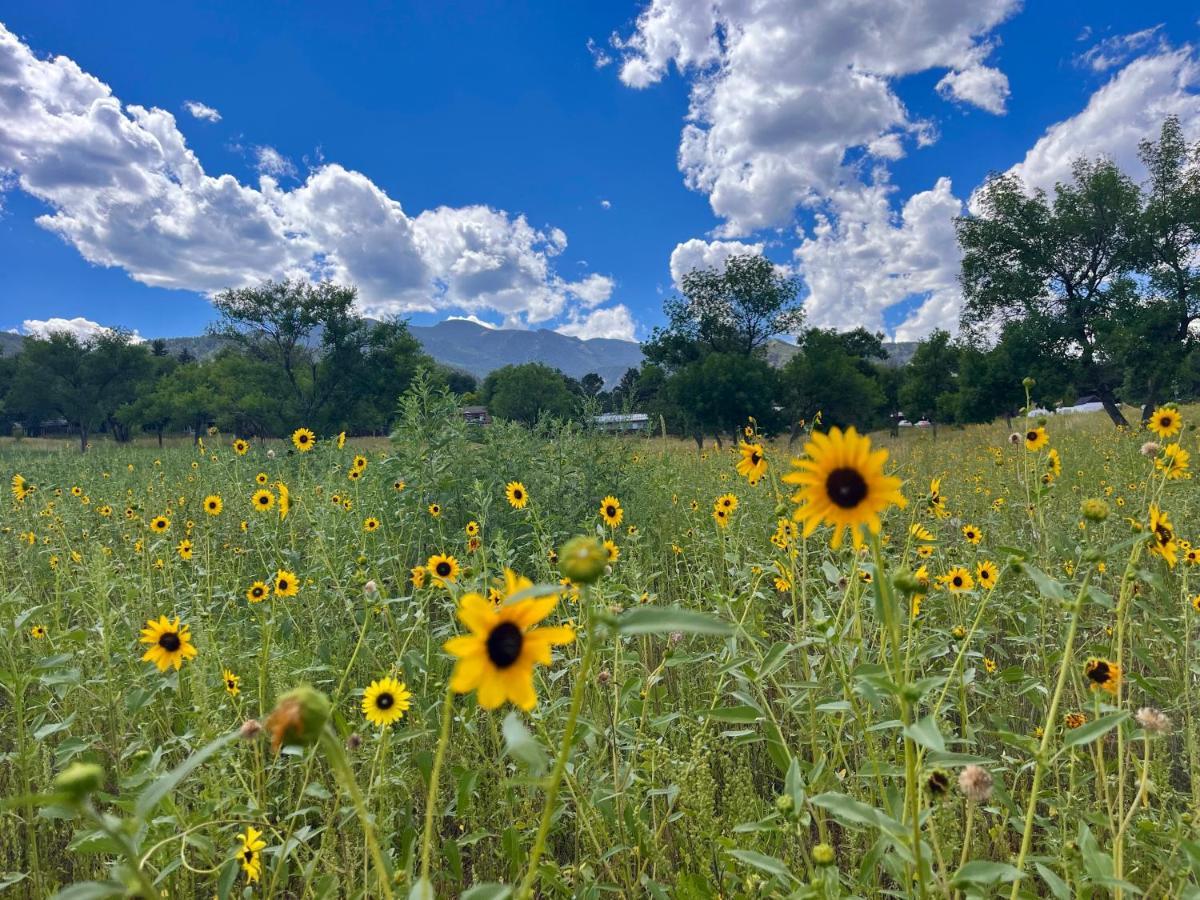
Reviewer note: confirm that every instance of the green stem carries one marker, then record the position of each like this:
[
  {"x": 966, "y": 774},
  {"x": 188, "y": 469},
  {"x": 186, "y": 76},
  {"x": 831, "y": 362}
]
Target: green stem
[
  {"x": 332, "y": 748},
  {"x": 1039, "y": 765},
  {"x": 438, "y": 757},
  {"x": 560, "y": 764}
]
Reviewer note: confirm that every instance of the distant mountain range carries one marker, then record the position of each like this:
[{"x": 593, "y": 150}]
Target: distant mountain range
[{"x": 479, "y": 350}]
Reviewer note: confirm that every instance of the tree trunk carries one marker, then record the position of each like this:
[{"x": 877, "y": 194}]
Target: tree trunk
[
  {"x": 698, "y": 437},
  {"x": 1110, "y": 407},
  {"x": 797, "y": 430},
  {"x": 1150, "y": 403},
  {"x": 717, "y": 438},
  {"x": 160, "y": 442},
  {"x": 83, "y": 438}
]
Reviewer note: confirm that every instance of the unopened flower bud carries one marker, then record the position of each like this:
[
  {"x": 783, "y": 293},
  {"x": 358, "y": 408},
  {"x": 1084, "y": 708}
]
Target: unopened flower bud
[
  {"x": 603, "y": 677},
  {"x": 354, "y": 741},
  {"x": 371, "y": 588},
  {"x": 299, "y": 717},
  {"x": 250, "y": 729},
  {"x": 582, "y": 559},
  {"x": 79, "y": 780},
  {"x": 824, "y": 855},
  {"x": 1094, "y": 509}
]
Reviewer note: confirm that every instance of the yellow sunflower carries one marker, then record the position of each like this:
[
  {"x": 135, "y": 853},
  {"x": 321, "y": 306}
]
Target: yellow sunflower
[
  {"x": 370, "y": 523},
  {"x": 435, "y": 510},
  {"x": 385, "y": 701},
  {"x": 250, "y": 853},
  {"x": 262, "y": 500},
  {"x": 516, "y": 494},
  {"x": 213, "y": 505},
  {"x": 303, "y": 439},
  {"x": 1174, "y": 462},
  {"x": 419, "y": 574},
  {"x": 240, "y": 447},
  {"x": 170, "y": 643},
  {"x": 613, "y": 551},
  {"x": 472, "y": 529},
  {"x": 721, "y": 516},
  {"x": 184, "y": 549},
  {"x": 986, "y": 573},
  {"x": 1165, "y": 422},
  {"x": 257, "y": 592},
  {"x": 286, "y": 584},
  {"x": 972, "y": 534},
  {"x": 1036, "y": 438},
  {"x": 753, "y": 464},
  {"x": 728, "y": 502},
  {"x": 957, "y": 580},
  {"x": 261, "y": 478},
  {"x": 231, "y": 683},
  {"x": 160, "y": 524},
  {"x": 1102, "y": 675},
  {"x": 610, "y": 512},
  {"x": 841, "y": 483},
  {"x": 443, "y": 569},
  {"x": 1164, "y": 543},
  {"x": 497, "y": 658}
]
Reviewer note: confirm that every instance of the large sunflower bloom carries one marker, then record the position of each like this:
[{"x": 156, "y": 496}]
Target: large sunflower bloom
[
  {"x": 1036, "y": 438},
  {"x": 385, "y": 701},
  {"x": 611, "y": 512},
  {"x": 304, "y": 439},
  {"x": 1165, "y": 422},
  {"x": 841, "y": 483},
  {"x": 516, "y": 494},
  {"x": 496, "y": 659},
  {"x": 1164, "y": 543},
  {"x": 170, "y": 643},
  {"x": 443, "y": 568},
  {"x": 753, "y": 464}
]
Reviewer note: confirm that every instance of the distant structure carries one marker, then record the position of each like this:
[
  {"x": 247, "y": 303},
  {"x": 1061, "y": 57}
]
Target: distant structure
[
  {"x": 476, "y": 415},
  {"x": 622, "y": 423}
]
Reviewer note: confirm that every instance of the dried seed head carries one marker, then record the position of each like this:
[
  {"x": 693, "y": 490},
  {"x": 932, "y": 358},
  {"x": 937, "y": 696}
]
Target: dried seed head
[
  {"x": 976, "y": 783},
  {"x": 1155, "y": 721}
]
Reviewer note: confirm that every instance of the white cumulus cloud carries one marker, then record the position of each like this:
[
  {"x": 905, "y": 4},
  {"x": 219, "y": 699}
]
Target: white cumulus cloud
[
  {"x": 611, "y": 322},
  {"x": 202, "y": 111},
  {"x": 83, "y": 329},
  {"x": 784, "y": 92},
  {"x": 700, "y": 254},
  {"x": 126, "y": 191}
]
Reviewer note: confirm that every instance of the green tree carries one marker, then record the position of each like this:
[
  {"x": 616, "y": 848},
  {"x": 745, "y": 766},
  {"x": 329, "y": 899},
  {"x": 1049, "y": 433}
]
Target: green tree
[
  {"x": 735, "y": 310},
  {"x": 832, "y": 374},
  {"x": 1053, "y": 262},
  {"x": 526, "y": 392},
  {"x": 84, "y": 382},
  {"x": 931, "y": 379},
  {"x": 719, "y": 394}
]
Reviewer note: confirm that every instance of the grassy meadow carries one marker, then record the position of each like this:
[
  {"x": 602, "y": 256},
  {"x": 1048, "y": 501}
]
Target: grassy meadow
[{"x": 992, "y": 697}]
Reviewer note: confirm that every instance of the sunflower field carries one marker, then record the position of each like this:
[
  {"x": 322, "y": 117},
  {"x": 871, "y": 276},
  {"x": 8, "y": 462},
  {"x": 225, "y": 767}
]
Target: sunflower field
[{"x": 502, "y": 662}]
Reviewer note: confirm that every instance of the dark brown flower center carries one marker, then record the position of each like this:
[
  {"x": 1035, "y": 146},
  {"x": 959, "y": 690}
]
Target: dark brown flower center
[
  {"x": 957, "y": 582},
  {"x": 1031, "y": 435},
  {"x": 846, "y": 487},
  {"x": 169, "y": 641},
  {"x": 384, "y": 701},
  {"x": 504, "y": 645},
  {"x": 442, "y": 569},
  {"x": 1099, "y": 672}
]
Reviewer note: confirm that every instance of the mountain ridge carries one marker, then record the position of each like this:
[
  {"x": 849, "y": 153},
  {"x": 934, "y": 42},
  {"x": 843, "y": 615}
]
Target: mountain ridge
[{"x": 478, "y": 349}]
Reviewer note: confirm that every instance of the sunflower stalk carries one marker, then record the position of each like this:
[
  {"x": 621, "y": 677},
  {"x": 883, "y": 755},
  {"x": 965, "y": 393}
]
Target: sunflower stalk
[
  {"x": 335, "y": 755},
  {"x": 525, "y": 890}
]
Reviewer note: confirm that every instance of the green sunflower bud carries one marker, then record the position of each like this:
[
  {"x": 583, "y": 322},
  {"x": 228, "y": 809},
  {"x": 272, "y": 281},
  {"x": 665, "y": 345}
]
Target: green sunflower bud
[
  {"x": 824, "y": 855},
  {"x": 299, "y": 717},
  {"x": 906, "y": 582},
  {"x": 79, "y": 780},
  {"x": 582, "y": 559},
  {"x": 1094, "y": 509}
]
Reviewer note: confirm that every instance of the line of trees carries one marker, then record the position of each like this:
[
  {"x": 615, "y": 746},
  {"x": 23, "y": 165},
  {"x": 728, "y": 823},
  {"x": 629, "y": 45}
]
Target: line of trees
[{"x": 1092, "y": 289}]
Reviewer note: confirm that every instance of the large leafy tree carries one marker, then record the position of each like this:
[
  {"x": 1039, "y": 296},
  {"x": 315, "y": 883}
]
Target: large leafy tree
[
  {"x": 86, "y": 382},
  {"x": 526, "y": 392},
  {"x": 1054, "y": 261},
  {"x": 834, "y": 374},
  {"x": 735, "y": 309}
]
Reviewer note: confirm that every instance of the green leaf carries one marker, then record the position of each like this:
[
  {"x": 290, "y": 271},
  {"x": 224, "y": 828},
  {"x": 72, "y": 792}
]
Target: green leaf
[
  {"x": 490, "y": 891},
  {"x": 925, "y": 732},
  {"x": 1057, "y": 886},
  {"x": 1047, "y": 586},
  {"x": 522, "y": 746},
  {"x": 665, "y": 619},
  {"x": 90, "y": 890},
  {"x": 164, "y": 784},
  {"x": 764, "y": 863},
  {"x": 847, "y": 809},
  {"x": 982, "y": 871},
  {"x": 1088, "y": 732},
  {"x": 742, "y": 714}
]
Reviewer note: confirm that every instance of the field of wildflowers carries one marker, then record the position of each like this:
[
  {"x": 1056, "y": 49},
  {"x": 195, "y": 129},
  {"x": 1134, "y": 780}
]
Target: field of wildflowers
[{"x": 512, "y": 663}]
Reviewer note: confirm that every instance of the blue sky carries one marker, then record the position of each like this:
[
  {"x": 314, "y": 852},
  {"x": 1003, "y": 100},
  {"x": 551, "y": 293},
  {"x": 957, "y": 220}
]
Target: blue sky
[{"x": 523, "y": 162}]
